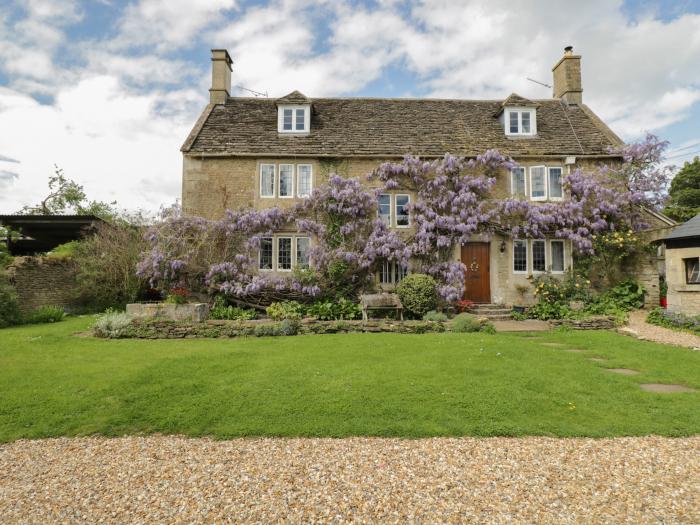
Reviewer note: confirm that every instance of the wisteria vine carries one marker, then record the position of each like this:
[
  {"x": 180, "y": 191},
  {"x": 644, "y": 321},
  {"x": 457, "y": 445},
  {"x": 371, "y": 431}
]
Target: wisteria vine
[{"x": 453, "y": 201}]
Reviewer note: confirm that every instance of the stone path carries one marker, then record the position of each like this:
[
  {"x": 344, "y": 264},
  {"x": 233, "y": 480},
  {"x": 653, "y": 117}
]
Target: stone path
[
  {"x": 162, "y": 479},
  {"x": 638, "y": 327}
]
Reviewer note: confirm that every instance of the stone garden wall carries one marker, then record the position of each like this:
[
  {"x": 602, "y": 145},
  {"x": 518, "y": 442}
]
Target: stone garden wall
[{"x": 42, "y": 281}]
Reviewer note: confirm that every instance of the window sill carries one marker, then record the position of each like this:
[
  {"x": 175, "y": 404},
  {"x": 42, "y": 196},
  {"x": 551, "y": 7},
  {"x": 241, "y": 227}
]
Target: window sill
[
  {"x": 293, "y": 133},
  {"x": 686, "y": 288}
]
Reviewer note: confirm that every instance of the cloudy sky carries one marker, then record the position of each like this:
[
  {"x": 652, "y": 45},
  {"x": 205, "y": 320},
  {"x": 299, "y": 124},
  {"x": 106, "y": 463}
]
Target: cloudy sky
[{"x": 108, "y": 89}]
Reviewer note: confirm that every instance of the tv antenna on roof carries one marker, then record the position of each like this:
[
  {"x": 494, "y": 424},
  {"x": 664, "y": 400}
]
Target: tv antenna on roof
[
  {"x": 253, "y": 92},
  {"x": 538, "y": 82}
]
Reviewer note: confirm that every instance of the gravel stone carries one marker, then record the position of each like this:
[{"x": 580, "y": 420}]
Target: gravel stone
[{"x": 165, "y": 479}]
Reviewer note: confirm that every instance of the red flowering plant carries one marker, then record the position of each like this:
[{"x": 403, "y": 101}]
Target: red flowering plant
[
  {"x": 178, "y": 295},
  {"x": 464, "y": 305}
]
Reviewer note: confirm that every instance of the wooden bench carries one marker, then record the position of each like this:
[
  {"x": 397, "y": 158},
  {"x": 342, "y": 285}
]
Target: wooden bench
[{"x": 381, "y": 301}]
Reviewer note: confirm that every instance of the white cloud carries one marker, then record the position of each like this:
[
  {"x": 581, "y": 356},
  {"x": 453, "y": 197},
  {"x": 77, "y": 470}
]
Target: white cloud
[
  {"x": 122, "y": 108},
  {"x": 102, "y": 136},
  {"x": 168, "y": 24}
]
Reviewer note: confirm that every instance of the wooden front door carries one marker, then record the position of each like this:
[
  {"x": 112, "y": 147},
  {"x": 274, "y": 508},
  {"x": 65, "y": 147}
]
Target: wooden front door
[{"x": 477, "y": 278}]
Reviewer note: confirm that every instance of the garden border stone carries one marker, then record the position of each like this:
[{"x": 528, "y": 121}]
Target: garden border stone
[{"x": 196, "y": 312}]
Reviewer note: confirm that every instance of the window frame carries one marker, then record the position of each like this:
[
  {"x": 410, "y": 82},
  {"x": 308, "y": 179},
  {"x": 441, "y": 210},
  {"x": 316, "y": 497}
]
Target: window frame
[
  {"x": 685, "y": 269},
  {"x": 512, "y": 181},
  {"x": 379, "y": 208},
  {"x": 519, "y": 111},
  {"x": 295, "y": 261},
  {"x": 532, "y": 254},
  {"x": 396, "y": 210},
  {"x": 272, "y": 255},
  {"x": 546, "y": 183},
  {"x": 274, "y": 179},
  {"x": 279, "y": 181},
  {"x": 311, "y": 180},
  {"x": 527, "y": 256},
  {"x": 291, "y": 253},
  {"x": 563, "y": 256},
  {"x": 294, "y": 108},
  {"x": 393, "y": 269},
  {"x": 561, "y": 185}
]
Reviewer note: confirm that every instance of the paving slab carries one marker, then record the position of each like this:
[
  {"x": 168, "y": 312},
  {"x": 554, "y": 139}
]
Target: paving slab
[
  {"x": 622, "y": 371},
  {"x": 661, "y": 388}
]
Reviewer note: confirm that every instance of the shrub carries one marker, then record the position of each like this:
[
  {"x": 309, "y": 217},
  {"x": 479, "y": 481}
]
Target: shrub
[
  {"x": 341, "y": 309},
  {"x": 46, "y": 314},
  {"x": 9, "y": 309},
  {"x": 627, "y": 295},
  {"x": 265, "y": 330},
  {"x": 106, "y": 267},
  {"x": 435, "y": 317},
  {"x": 112, "y": 323},
  {"x": 466, "y": 323},
  {"x": 418, "y": 294},
  {"x": 222, "y": 310},
  {"x": 545, "y": 311},
  {"x": 289, "y": 327},
  {"x": 285, "y": 310},
  {"x": 661, "y": 317}
]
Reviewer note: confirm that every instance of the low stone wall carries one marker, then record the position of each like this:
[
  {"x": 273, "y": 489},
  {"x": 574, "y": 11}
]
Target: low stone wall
[
  {"x": 42, "y": 281},
  {"x": 602, "y": 322},
  {"x": 162, "y": 329}
]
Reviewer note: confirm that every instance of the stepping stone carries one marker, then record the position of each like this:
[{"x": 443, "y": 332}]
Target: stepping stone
[
  {"x": 554, "y": 345},
  {"x": 574, "y": 350},
  {"x": 660, "y": 388},
  {"x": 623, "y": 371},
  {"x": 597, "y": 359}
]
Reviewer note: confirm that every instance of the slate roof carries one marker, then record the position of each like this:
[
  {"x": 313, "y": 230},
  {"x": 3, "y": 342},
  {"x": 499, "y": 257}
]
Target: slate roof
[
  {"x": 686, "y": 230},
  {"x": 347, "y": 127}
]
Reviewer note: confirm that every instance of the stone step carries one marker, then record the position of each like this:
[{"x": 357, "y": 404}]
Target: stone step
[
  {"x": 494, "y": 311},
  {"x": 498, "y": 317}
]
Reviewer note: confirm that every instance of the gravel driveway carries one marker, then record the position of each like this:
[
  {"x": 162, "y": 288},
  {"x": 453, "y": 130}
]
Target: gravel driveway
[{"x": 177, "y": 480}]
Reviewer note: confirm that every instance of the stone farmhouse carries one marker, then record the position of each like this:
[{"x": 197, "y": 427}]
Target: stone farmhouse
[{"x": 262, "y": 152}]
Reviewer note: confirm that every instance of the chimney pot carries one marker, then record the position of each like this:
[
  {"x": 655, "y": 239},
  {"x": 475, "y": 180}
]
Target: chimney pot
[
  {"x": 220, "y": 76},
  {"x": 567, "y": 77}
]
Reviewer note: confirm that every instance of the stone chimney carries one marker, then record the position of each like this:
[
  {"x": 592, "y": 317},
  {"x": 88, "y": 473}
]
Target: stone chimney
[
  {"x": 220, "y": 76},
  {"x": 567, "y": 77}
]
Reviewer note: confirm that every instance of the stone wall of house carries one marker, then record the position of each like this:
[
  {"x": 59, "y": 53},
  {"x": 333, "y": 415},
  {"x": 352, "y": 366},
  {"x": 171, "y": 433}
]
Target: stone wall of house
[
  {"x": 210, "y": 185},
  {"x": 681, "y": 297},
  {"x": 42, "y": 281}
]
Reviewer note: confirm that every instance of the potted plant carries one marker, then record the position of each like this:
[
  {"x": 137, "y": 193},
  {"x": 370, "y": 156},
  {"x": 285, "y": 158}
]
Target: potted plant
[
  {"x": 663, "y": 291},
  {"x": 520, "y": 306}
]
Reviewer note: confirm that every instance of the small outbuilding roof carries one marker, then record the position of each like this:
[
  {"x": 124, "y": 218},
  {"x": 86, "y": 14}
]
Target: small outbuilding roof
[
  {"x": 42, "y": 233},
  {"x": 686, "y": 230}
]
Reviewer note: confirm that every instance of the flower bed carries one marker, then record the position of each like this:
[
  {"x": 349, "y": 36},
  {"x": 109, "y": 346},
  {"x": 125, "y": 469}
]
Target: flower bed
[{"x": 165, "y": 329}]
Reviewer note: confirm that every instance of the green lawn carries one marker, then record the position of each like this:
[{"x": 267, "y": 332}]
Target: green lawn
[{"x": 53, "y": 383}]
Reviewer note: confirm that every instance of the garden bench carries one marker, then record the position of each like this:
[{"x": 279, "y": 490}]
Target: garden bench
[{"x": 381, "y": 301}]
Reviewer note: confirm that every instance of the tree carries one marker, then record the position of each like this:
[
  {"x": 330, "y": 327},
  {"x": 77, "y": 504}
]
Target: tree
[
  {"x": 67, "y": 196},
  {"x": 684, "y": 202}
]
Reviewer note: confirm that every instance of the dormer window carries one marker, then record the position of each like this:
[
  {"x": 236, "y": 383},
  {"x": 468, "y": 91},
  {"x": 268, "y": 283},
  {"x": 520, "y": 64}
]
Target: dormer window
[
  {"x": 520, "y": 121},
  {"x": 293, "y": 119}
]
